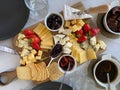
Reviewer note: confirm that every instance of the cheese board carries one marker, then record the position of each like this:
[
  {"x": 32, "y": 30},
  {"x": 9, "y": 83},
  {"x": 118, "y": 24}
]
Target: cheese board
[{"x": 34, "y": 59}]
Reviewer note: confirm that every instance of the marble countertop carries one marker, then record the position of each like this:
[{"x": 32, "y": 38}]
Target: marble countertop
[{"x": 9, "y": 61}]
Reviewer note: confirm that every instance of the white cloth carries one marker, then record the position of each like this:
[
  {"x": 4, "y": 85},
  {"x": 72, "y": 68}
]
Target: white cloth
[{"x": 8, "y": 61}]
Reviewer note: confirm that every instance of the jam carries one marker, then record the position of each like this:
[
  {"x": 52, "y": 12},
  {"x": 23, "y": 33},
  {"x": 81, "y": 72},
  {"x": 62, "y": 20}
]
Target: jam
[
  {"x": 54, "y": 21},
  {"x": 101, "y": 74},
  {"x": 58, "y": 48},
  {"x": 64, "y": 62}
]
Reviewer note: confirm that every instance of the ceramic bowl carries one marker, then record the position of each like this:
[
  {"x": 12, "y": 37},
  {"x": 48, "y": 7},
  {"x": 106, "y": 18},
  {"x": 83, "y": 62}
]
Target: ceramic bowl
[
  {"x": 73, "y": 67},
  {"x": 105, "y": 23},
  {"x": 54, "y": 21}
]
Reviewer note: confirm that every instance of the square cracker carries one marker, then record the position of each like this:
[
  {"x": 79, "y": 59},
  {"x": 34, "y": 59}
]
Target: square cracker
[
  {"x": 24, "y": 73},
  {"x": 33, "y": 70},
  {"x": 54, "y": 71},
  {"x": 43, "y": 73}
]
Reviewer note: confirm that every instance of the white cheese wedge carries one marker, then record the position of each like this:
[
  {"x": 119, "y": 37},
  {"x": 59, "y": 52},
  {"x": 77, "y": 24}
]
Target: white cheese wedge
[
  {"x": 56, "y": 39},
  {"x": 68, "y": 45},
  {"x": 62, "y": 42},
  {"x": 69, "y": 15},
  {"x": 67, "y": 50},
  {"x": 60, "y": 36}
]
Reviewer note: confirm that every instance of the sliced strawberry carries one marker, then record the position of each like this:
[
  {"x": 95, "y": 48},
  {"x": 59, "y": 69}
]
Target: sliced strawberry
[
  {"x": 82, "y": 39},
  {"x": 30, "y": 36},
  {"x": 35, "y": 39},
  {"x": 86, "y": 28},
  {"x": 79, "y": 32},
  {"x": 94, "y": 31},
  {"x": 36, "y": 46},
  {"x": 28, "y": 32}
]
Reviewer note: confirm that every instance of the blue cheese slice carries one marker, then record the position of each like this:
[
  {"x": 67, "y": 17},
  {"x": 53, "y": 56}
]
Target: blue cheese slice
[{"x": 69, "y": 15}]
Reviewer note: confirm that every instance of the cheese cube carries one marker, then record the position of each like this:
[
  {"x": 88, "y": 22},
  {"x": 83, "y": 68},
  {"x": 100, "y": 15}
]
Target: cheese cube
[
  {"x": 80, "y": 22},
  {"x": 40, "y": 53},
  {"x": 67, "y": 24},
  {"x": 75, "y": 28},
  {"x": 33, "y": 51},
  {"x": 102, "y": 44},
  {"x": 73, "y": 22},
  {"x": 38, "y": 57},
  {"x": 24, "y": 52},
  {"x": 31, "y": 56}
]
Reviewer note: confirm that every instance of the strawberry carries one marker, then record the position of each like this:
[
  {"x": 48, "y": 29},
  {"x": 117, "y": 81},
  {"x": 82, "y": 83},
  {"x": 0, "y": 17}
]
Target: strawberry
[
  {"x": 79, "y": 32},
  {"x": 35, "y": 39},
  {"x": 36, "y": 46},
  {"x": 94, "y": 31},
  {"x": 86, "y": 28},
  {"x": 28, "y": 32},
  {"x": 30, "y": 36},
  {"x": 82, "y": 39}
]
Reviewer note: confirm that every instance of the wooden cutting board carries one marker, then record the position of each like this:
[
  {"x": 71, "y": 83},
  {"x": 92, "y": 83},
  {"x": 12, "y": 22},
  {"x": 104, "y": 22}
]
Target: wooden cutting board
[{"x": 78, "y": 5}]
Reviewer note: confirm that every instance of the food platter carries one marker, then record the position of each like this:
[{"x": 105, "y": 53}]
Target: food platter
[{"x": 32, "y": 61}]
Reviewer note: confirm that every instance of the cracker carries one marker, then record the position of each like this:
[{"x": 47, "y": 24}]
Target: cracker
[
  {"x": 24, "y": 73},
  {"x": 33, "y": 70},
  {"x": 54, "y": 71},
  {"x": 43, "y": 73}
]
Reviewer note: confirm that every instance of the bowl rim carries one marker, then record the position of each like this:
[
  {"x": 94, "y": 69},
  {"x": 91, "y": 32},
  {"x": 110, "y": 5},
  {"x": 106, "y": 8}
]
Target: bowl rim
[
  {"x": 112, "y": 5},
  {"x": 114, "y": 83},
  {"x": 46, "y": 17},
  {"x": 74, "y": 67}
]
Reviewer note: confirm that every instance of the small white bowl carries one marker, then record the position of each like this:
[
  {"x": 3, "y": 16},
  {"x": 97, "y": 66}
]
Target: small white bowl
[
  {"x": 112, "y": 5},
  {"x": 58, "y": 14},
  {"x": 69, "y": 71}
]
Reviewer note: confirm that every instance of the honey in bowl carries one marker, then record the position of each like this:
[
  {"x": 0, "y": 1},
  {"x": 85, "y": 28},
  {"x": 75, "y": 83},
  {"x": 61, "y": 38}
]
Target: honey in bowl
[{"x": 101, "y": 74}]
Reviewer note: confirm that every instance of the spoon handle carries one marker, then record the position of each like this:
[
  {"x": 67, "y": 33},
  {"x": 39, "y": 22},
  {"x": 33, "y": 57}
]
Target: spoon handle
[
  {"x": 50, "y": 61},
  {"x": 108, "y": 79},
  {"x": 61, "y": 85}
]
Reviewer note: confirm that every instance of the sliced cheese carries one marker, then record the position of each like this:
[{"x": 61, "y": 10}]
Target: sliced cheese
[
  {"x": 39, "y": 28},
  {"x": 45, "y": 35},
  {"x": 43, "y": 32},
  {"x": 91, "y": 54},
  {"x": 46, "y": 47}
]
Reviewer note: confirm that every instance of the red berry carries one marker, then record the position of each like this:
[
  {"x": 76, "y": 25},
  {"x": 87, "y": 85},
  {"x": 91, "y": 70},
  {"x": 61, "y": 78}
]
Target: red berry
[
  {"x": 36, "y": 46},
  {"x": 82, "y": 39},
  {"x": 94, "y": 31},
  {"x": 30, "y": 36},
  {"x": 36, "y": 39},
  {"x": 28, "y": 32},
  {"x": 86, "y": 28},
  {"x": 79, "y": 32}
]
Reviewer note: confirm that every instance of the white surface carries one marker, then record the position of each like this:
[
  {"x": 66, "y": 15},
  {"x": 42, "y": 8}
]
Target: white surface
[{"x": 9, "y": 61}]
